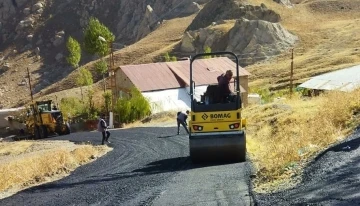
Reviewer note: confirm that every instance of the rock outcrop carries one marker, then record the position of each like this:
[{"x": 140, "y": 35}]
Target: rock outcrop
[
  {"x": 284, "y": 2},
  {"x": 217, "y": 10},
  {"x": 136, "y": 18},
  {"x": 128, "y": 20},
  {"x": 255, "y": 35},
  {"x": 257, "y": 40}
]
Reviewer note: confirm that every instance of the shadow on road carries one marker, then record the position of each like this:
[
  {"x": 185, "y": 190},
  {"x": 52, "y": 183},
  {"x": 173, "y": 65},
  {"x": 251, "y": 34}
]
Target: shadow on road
[
  {"x": 167, "y": 136},
  {"x": 157, "y": 167},
  {"x": 177, "y": 164},
  {"x": 165, "y": 165}
]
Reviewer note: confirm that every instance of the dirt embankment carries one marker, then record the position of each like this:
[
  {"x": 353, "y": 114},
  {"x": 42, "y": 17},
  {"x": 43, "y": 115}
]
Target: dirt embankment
[{"x": 26, "y": 164}]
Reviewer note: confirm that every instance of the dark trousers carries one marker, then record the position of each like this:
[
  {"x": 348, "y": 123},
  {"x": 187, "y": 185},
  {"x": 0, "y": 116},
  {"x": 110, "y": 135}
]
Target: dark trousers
[
  {"x": 105, "y": 137},
  {"x": 183, "y": 124}
]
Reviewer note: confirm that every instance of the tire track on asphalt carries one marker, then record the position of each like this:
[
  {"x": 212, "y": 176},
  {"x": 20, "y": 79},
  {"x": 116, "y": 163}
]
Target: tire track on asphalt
[
  {"x": 129, "y": 175},
  {"x": 145, "y": 164}
]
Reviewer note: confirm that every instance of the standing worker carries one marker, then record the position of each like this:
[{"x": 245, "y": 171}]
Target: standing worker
[
  {"x": 102, "y": 127},
  {"x": 224, "y": 87},
  {"x": 181, "y": 119}
]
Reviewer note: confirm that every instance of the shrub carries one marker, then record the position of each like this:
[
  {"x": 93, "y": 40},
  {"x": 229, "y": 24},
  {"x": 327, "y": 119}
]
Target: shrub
[
  {"x": 173, "y": 59},
  {"x": 71, "y": 107},
  {"x": 207, "y": 49},
  {"x": 168, "y": 58},
  {"x": 132, "y": 108}
]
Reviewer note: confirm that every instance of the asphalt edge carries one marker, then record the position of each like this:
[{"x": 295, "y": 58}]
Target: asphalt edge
[{"x": 251, "y": 173}]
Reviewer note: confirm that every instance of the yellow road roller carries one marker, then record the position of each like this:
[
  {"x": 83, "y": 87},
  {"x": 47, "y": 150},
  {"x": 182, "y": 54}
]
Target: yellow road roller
[{"x": 217, "y": 129}]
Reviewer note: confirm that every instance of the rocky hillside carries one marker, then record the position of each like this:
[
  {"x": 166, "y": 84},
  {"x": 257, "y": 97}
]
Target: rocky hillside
[
  {"x": 34, "y": 32},
  {"x": 33, "y": 35},
  {"x": 252, "y": 32}
]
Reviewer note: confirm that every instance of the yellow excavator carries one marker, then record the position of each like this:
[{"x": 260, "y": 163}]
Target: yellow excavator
[
  {"x": 42, "y": 120},
  {"x": 217, "y": 129}
]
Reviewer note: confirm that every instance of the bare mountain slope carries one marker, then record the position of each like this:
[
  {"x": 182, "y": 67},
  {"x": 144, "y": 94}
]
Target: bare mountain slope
[
  {"x": 146, "y": 50},
  {"x": 327, "y": 34},
  {"x": 37, "y": 33}
]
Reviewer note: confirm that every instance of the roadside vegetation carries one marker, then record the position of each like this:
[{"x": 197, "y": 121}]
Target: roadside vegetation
[
  {"x": 28, "y": 163},
  {"x": 283, "y": 136}
]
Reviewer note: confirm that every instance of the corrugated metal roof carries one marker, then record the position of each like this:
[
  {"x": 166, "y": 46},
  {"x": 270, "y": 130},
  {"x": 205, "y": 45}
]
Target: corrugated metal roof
[
  {"x": 205, "y": 71},
  {"x": 160, "y": 76},
  {"x": 151, "y": 77},
  {"x": 343, "y": 80}
]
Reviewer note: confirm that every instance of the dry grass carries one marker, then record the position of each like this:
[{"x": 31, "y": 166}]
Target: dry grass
[
  {"x": 328, "y": 40},
  {"x": 161, "y": 119},
  {"x": 28, "y": 163},
  {"x": 282, "y": 136}
]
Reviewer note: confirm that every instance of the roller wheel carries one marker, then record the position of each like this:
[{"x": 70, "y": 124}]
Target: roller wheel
[{"x": 37, "y": 132}]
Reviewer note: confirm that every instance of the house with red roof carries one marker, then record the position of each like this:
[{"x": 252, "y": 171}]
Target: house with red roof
[{"x": 166, "y": 84}]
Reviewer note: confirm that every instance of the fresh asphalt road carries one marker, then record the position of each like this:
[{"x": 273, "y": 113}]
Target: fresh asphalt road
[
  {"x": 333, "y": 178},
  {"x": 148, "y": 166}
]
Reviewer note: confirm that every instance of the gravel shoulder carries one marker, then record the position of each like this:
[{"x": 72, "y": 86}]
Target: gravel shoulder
[{"x": 332, "y": 178}]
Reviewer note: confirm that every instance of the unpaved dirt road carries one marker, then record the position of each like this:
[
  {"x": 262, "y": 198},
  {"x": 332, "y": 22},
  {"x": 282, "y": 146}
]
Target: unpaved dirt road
[{"x": 148, "y": 166}]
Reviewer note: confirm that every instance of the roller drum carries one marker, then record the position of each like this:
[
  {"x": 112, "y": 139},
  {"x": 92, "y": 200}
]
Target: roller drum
[{"x": 220, "y": 147}]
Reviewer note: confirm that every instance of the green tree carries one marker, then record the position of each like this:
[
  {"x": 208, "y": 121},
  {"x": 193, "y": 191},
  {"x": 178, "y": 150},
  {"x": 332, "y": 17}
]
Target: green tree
[
  {"x": 107, "y": 97},
  {"x": 84, "y": 78},
  {"x": 207, "y": 49},
  {"x": 74, "y": 50},
  {"x": 102, "y": 67},
  {"x": 92, "y": 32},
  {"x": 91, "y": 110}
]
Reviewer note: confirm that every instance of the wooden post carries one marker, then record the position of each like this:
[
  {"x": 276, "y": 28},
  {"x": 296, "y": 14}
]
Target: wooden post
[
  {"x": 31, "y": 94},
  {"x": 291, "y": 72}
]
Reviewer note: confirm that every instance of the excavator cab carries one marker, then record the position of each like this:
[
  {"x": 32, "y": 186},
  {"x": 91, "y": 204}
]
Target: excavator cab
[
  {"x": 42, "y": 120},
  {"x": 217, "y": 129}
]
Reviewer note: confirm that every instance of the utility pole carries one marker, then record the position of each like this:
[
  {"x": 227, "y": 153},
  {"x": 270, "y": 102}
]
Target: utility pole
[
  {"x": 112, "y": 83},
  {"x": 31, "y": 94},
  {"x": 291, "y": 71}
]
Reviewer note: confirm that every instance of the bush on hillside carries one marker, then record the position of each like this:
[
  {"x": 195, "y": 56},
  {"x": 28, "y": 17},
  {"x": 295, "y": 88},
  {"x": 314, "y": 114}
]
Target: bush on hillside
[
  {"x": 207, "y": 49},
  {"x": 168, "y": 58},
  {"x": 132, "y": 108}
]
